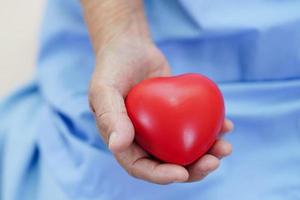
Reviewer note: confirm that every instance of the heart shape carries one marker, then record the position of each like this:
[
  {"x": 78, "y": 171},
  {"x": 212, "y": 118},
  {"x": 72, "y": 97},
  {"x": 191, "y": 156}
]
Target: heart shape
[{"x": 176, "y": 119}]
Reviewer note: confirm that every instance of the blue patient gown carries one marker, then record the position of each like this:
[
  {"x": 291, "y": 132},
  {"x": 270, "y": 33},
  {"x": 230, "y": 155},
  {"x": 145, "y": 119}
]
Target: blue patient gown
[{"x": 50, "y": 147}]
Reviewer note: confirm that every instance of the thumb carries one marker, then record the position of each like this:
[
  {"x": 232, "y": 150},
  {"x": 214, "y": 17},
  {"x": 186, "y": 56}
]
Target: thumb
[{"x": 111, "y": 117}]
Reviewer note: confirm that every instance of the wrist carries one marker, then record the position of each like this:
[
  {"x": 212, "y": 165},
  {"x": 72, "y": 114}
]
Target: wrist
[{"x": 109, "y": 19}]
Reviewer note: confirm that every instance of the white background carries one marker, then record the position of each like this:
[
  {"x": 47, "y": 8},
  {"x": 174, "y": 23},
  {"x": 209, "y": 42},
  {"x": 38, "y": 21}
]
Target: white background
[{"x": 19, "y": 28}]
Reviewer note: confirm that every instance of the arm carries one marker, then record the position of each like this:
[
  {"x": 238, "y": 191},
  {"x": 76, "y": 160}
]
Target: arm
[
  {"x": 125, "y": 55},
  {"x": 107, "y": 19}
]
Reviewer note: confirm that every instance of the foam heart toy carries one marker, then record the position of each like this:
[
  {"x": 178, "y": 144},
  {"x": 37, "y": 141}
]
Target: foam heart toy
[{"x": 176, "y": 119}]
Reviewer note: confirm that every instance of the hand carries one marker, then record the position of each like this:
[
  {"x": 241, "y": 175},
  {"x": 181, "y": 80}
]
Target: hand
[{"x": 126, "y": 60}]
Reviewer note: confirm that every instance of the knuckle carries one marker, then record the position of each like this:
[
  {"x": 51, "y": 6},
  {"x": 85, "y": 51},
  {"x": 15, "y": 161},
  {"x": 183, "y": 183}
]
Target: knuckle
[
  {"x": 104, "y": 123},
  {"x": 132, "y": 172},
  {"x": 96, "y": 89},
  {"x": 96, "y": 96}
]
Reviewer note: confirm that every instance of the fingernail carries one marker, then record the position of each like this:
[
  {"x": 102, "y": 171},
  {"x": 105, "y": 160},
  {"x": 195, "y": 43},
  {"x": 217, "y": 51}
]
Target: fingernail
[
  {"x": 113, "y": 138},
  {"x": 205, "y": 173},
  {"x": 179, "y": 180},
  {"x": 230, "y": 124}
]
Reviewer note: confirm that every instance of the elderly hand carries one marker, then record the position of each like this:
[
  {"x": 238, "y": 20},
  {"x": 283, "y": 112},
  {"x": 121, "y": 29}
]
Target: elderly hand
[{"x": 124, "y": 58}]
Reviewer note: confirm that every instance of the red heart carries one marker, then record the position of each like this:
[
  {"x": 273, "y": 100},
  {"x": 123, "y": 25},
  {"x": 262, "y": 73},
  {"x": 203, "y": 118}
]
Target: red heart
[{"x": 176, "y": 119}]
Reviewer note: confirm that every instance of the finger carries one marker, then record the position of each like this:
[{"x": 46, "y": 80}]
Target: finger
[
  {"x": 139, "y": 165},
  {"x": 202, "y": 167},
  {"x": 221, "y": 148},
  {"x": 227, "y": 126},
  {"x": 111, "y": 117}
]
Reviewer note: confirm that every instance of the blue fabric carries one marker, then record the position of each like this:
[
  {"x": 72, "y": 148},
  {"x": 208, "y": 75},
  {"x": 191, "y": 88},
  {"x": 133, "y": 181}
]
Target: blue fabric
[{"x": 50, "y": 147}]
